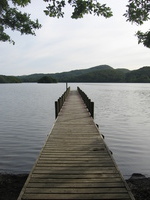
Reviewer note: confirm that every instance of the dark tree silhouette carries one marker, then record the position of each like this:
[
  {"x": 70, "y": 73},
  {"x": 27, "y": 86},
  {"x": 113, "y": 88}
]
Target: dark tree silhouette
[{"x": 10, "y": 17}]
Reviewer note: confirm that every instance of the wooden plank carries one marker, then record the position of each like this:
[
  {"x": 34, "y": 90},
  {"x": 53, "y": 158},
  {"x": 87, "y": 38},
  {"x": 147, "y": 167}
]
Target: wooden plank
[
  {"x": 99, "y": 151},
  {"x": 70, "y": 172},
  {"x": 72, "y": 156},
  {"x": 78, "y": 169},
  {"x": 75, "y": 163},
  {"x": 73, "y": 181},
  {"x": 75, "y": 176},
  {"x": 77, "y": 158},
  {"x": 75, "y": 185},
  {"x": 69, "y": 190},
  {"x": 76, "y": 196},
  {"x": 75, "y": 148}
]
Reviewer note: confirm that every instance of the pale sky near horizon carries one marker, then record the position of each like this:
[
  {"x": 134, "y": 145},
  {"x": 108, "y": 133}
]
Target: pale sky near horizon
[{"x": 68, "y": 44}]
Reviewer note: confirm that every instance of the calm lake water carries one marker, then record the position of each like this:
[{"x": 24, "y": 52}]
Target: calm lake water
[{"x": 121, "y": 110}]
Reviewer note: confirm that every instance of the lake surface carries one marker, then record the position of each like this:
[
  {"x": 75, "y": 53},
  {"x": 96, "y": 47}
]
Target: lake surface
[{"x": 121, "y": 110}]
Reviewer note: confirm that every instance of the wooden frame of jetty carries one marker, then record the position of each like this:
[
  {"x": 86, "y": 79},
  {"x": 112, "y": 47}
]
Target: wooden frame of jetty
[{"x": 75, "y": 162}]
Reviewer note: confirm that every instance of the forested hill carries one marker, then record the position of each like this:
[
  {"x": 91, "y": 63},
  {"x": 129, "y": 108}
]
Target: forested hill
[
  {"x": 9, "y": 79},
  {"x": 101, "y": 73},
  {"x": 141, "y": 75},
  {"x": 64, "y": 76},
  {"x": 82, "y": 75}
]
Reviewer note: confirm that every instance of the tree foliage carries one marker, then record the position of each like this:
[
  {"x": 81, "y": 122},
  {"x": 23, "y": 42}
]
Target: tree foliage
[
  {"x": 138, "y": 12},
  {"x": 144, "y": 38},
  {"x": 141, "y": 75},
  {"x": 11, "y": 17},
  {"x": 80, "y": 8},
  {"x": 102, "y": 73},
  {"x": 9, "y": 79},
  {"x": 101, "y": 76}
]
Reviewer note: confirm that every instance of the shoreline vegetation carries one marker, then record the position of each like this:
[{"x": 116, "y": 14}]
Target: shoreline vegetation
[
  {"x": 11, "y": 185},
  {"x": 98, "y": 74}
]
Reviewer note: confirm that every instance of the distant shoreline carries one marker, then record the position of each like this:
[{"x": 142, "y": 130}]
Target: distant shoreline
[
  {"x": 97, "y": 74},
  {"x": 11, "y": 185}
]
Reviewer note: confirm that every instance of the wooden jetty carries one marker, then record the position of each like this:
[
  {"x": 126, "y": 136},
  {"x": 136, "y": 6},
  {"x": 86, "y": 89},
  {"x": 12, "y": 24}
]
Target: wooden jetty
[{"x": 75, "y": 162}]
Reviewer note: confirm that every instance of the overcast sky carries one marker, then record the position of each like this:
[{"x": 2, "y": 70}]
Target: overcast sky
[{"x": 67, "y": 44}]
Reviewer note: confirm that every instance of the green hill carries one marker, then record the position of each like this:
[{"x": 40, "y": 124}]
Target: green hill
[
  {"x": 123, "y": 70},
  {"x": 108, "y": 75},
  {"x": 141, "y": 75},
  {"x": 31, "y": 78},
  {"x": 9, "y": 79},
  {"x": 63, "y": 76},
  {"x": 101, "y": 73}
]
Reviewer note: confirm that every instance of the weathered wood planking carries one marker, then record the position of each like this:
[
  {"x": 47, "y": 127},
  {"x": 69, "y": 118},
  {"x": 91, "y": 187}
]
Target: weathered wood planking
[{"x": 75, "y": 162}]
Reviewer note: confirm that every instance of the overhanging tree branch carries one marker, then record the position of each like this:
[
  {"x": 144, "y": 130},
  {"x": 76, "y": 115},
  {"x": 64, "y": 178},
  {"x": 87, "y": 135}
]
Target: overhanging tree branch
[
  {"x": 11, "y": 17},
  {"x": 138, "y": 12},
  {"x": 144, "y": 38}
]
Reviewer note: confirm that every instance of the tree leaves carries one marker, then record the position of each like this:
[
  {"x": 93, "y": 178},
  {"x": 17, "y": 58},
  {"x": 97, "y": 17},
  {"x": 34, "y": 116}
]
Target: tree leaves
[
  {"x": 144, "y": 38},
  {"x": 55, "y": 9},
  {"x": 80, "y": 8},
  {"x": 5, "y": 37},
  {"x": 138, "y": 12},
  {"x": 21, "y": 2},
  {"x": 11, "y": 17}
]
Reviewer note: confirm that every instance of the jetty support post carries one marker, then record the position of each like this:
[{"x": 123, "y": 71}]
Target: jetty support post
[
  {"x": 59, "y": 103},
  {"x": 66, "y": 85}
]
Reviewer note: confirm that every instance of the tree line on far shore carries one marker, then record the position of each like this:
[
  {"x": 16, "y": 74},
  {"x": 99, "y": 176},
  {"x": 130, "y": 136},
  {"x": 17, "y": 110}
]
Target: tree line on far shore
[
  {"x": 9, "y": 79},
  {"x": 99, "y": 74}
]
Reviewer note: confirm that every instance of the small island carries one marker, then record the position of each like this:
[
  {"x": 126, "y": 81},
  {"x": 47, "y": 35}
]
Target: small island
[{"x": 47, "y": 79}]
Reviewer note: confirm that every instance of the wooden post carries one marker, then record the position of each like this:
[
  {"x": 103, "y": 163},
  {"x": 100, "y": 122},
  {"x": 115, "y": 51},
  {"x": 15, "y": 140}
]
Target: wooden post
[
  {"x": 61, "y": 102},
  {"x": 63, "y": 99},
  {"x": 59, "y": 105},
  {"x": 92, "y": 109},
  {"x": 89, "y": 105},
  {"x": 56, "y": 109},
  {"x": 66, "y": 85}
]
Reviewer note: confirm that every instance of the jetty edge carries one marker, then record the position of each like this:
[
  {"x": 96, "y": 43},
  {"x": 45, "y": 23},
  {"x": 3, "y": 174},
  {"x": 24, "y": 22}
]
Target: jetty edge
[{"x": 75, "y": 162}]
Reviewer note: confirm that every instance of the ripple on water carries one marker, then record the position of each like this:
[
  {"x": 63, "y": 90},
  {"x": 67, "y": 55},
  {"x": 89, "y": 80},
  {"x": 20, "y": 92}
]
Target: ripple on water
[{"x": 121, "y": 110}]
